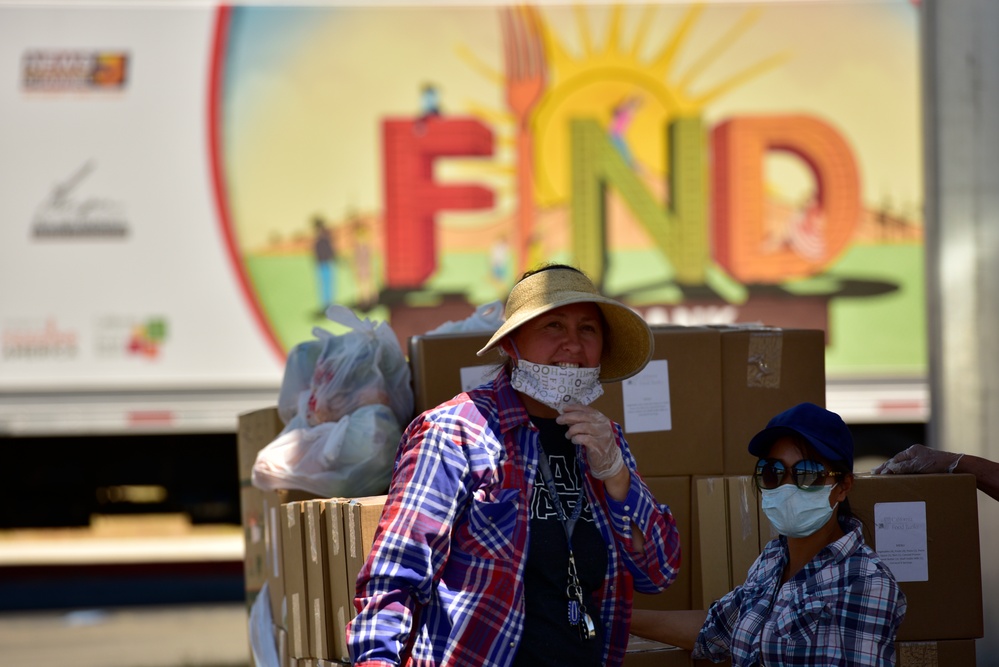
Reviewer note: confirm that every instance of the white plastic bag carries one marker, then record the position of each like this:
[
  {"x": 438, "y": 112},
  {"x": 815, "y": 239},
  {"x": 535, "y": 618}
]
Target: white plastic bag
[
  {"x": 364, "y": 366},
  {"x": 298, "y": 371},
  {"x": 262, "y": 642},
  {"x": 350, "y": 457},
  {"x": 487, "y": 318}
]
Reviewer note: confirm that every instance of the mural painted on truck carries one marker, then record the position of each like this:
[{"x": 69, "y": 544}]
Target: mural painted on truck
[{"x": 706, "y": 163}]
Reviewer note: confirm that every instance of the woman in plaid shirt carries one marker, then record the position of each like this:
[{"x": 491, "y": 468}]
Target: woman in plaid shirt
[
  {"x": 517, "y": 526},
  {"x": 817, "y": 595}
]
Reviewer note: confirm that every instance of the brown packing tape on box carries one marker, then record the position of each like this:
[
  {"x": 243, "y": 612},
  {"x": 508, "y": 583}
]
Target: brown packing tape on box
[
  {"x": 744, "y": 526},
  {"x": 765, "y": 371},
  {"x": 941, "y": 556},
  {"x": 708, "y": 558},
  {"x": 675, "y": 492}
]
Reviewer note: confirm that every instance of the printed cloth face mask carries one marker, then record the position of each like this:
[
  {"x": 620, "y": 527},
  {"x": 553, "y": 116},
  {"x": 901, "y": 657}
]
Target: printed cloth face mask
[
  {"x": 796, "y": 512},
  {"x": 556, "y": 386}
]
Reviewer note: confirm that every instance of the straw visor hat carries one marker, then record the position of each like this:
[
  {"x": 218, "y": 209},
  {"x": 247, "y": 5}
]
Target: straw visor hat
[{"x": 628, "y": 342}]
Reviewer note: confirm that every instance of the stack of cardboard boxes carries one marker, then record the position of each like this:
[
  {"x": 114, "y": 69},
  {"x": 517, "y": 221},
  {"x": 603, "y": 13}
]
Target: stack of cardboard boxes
[
  {"x": 688, "y": 418},
  {"x": 308, "y": 550}
]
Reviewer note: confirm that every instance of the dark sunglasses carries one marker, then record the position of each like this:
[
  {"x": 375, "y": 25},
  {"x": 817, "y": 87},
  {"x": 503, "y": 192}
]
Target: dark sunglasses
[{"x": 807, "y": 475}]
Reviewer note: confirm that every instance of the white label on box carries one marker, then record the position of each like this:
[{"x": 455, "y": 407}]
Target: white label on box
[
  {"x": 646, "y": 399},
  {"x": 473, "y": 376},
  {"x": 900, "y": 539}
]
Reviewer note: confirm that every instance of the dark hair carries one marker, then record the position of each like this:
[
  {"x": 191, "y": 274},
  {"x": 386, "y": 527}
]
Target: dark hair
[{"x": 807, "y": 451}]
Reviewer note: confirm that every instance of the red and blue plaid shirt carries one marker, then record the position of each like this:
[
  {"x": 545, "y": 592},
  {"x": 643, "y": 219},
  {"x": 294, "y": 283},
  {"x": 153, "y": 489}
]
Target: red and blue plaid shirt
[
  {"x": 843, "y": 608},
  {"x": 443, "y": 583}
]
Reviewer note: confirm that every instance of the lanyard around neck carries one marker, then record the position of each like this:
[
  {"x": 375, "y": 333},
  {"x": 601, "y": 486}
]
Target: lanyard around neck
[{"x": 568, "y": 523}]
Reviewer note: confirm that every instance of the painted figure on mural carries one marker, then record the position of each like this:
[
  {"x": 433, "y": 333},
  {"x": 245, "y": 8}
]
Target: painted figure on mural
[
  {"x": 499, "y": 263},
  {"x": 621, "y": 116},
  {"x": 324, "y": 252},
  {"x": 430, "y": 106}
]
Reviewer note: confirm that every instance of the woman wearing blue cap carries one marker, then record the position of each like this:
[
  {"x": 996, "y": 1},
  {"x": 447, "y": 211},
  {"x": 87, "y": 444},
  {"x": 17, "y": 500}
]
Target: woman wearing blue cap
[{"x": 817, "y": 595}]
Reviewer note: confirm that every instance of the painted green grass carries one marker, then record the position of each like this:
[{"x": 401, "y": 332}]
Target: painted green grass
[
  {"x": 288, "y": 290},
  {"x": 885, "y": 334}
]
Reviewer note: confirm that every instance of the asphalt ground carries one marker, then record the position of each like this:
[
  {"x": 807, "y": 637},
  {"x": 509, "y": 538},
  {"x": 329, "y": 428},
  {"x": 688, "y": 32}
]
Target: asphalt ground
[
  {"x": 149, "y": 591},
  {"x": 209, "y": 635}
]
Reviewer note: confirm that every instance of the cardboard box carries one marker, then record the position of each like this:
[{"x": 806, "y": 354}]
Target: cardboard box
[
  {"x": 317, "y": 582},
  {"x": 648, "y": 653},
  {"x": 361, "y": 520},
  {"x": 947, "y": 653},
  {"x": 281, "y": 641},
  {"x": 274, "y": 549},
  {"x": 671, "y": 412},
  {"x": 251, "y": 507},
  {"x": 294, "y": 574},
  {"x": 743, "y": 526},
  {"x": 255, "y": 430},
  {"x": 711, "y": 570},
  {"x": 445, "y": 365},
  {"x": 274, "y": 559},
  {"x": 764, "y": 372},
  {"x": 340, "y": 589},
  {"x": 675, "y": 492},
  {"x": 925, "y": 528}
]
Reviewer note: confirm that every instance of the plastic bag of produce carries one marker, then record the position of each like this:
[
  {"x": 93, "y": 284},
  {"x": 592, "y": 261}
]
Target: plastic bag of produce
[
  {"x": 298, "y": 372},
  {"x": 349, "y": 457},
  {"x": 364, "y": 366}
]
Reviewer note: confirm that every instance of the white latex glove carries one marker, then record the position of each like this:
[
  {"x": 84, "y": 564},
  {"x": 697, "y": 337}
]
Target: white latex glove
[
  {"x": 592, "y": 429},
  {"x": 919, "y": 458}
]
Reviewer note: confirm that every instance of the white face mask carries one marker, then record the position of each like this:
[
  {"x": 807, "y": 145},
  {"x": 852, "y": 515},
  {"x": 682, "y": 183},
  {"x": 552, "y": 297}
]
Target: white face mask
[
  {"x": 556, "y": 386},
  {"x": 795, "y": 512}
]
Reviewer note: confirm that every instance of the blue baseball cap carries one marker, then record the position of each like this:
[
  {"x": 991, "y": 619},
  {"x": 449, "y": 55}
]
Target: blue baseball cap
[{"x": 824, "y": 430}]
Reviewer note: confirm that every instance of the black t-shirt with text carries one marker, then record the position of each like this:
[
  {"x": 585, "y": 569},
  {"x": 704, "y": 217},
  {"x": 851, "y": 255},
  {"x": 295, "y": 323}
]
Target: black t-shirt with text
[{"x": 548, "y": 637}]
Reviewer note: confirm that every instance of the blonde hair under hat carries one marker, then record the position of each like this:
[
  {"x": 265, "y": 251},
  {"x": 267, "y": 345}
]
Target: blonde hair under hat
[{"x": 628, "y": 342}]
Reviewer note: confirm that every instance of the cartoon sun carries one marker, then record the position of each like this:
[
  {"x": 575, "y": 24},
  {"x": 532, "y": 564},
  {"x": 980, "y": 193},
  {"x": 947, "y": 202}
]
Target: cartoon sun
[
  {"x": 629, "y": 88},
  {"x": 592, "y": 82}
]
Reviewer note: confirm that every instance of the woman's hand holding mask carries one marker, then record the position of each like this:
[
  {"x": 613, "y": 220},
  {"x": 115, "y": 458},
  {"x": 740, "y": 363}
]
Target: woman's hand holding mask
[{"x": 592, "y": 429}]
